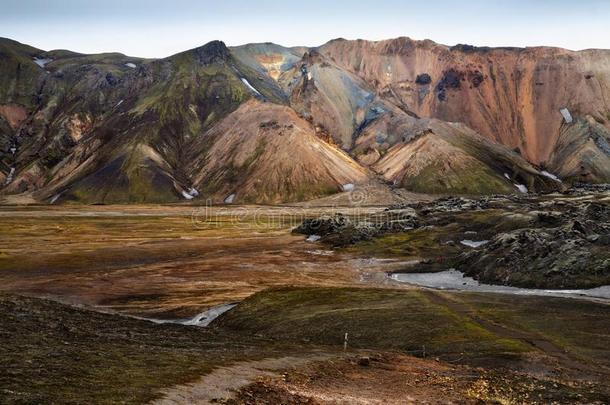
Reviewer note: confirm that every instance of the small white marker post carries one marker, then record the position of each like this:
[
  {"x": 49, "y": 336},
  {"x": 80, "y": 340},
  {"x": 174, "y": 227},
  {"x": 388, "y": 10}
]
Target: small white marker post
[{"x": 345, "y": 342}]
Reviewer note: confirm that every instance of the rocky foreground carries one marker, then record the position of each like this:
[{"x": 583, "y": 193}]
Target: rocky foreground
[
  {"x": 286, "y": 345},
  {"x": 549, "y": 241}
]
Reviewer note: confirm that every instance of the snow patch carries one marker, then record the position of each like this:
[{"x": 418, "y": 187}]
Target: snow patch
[
  {"x": 55, "y": 198},
  {"x": 230, "y": 199},
  {"x": 348, "y": 187},
  {"x": 313, "y": 238},
  {"x": 474, "y": 244},
  {"x": 550, "y": 176},
  {"x": 521, "y": 188},
  {"x": 320, "y": 252},
  {"x": 9, "y": 178},
  {"x": 202, "y": 319},
  {"x": 13, "y": 150},
  {"x": 456, "y": 280},
  {"x": 205, "y": 318},
  {"x": 250, "y": 86},
  {"x": 41, "y": 61},
  {"x": 131, "y": 65},
  {"x": 187, "y": 195},
  {"x": 507, "y": 176},
  {"x": 119, "y": 103},
  {"x": 193, "y": 192},
  {"x": 566, "y": 115}
]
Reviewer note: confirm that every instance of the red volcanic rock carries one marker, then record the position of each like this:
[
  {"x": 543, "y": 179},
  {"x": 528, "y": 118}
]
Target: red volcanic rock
[{"x": 509, "y": 95}]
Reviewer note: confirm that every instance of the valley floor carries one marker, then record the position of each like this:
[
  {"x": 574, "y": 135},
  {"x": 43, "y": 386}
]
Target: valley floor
[
  {"x": 284, "y": 342},
  {"x": 168, "y": 261}
]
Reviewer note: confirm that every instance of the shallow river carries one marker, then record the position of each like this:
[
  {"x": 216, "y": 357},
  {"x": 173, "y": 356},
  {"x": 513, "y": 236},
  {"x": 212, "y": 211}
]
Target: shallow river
[{"x": 455, "y": 280}]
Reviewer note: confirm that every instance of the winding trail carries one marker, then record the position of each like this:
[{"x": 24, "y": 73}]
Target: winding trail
[{"x": 223, "y": 382}]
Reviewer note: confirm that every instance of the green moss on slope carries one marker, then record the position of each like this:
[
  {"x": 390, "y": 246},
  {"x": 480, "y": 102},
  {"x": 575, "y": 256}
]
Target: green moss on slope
[
  {"x": 474, "y": 178},
  {"x": 374, "y": 319}
]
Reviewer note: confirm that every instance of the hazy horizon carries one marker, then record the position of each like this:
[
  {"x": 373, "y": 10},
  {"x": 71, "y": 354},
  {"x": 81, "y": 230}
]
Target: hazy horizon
[{"x": 157, "y": 29}]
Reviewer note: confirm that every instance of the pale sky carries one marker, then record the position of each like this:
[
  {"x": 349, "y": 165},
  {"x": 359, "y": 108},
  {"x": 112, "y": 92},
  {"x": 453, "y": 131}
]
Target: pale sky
[{"x": 156, "y": 28}]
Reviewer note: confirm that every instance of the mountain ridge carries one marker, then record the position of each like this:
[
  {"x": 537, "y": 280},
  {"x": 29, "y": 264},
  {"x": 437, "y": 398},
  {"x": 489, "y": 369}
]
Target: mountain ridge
[{"x": 65, "y": 117}]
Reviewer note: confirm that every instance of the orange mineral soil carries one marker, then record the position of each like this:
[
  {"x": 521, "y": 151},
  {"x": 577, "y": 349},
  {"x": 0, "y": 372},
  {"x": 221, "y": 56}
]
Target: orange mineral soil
[{"x": 509, "y": 95}]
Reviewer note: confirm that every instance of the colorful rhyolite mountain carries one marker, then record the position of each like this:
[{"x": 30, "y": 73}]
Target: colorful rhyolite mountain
[{"x": 261, "y": 123}]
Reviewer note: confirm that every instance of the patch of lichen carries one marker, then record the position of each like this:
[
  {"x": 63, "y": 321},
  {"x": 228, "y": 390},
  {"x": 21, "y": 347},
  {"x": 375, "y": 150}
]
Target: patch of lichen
[
  {"x": 411, "y": 245},
  {"x": 472, "y": 179}
]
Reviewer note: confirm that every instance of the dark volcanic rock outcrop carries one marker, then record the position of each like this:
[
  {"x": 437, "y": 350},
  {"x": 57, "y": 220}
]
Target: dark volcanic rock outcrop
[
  {"x": 571, "y": 249},
  {"x": 340, "y": 230},
  {"x": 555, "y": 242}
]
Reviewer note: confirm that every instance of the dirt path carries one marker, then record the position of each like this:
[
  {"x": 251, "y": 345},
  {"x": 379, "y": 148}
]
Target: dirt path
[
  {"x": 388, "y": 379},
  {"x": 224, "y": 382},
  {"x": 531, "y": 338}
]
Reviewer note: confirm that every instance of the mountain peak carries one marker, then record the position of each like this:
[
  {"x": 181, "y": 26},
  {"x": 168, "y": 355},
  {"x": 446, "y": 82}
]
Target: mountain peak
[{"x": 212, "y": 52}]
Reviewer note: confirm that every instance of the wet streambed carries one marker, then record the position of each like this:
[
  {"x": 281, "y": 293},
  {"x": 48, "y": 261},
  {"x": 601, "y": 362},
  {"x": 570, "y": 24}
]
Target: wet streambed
[{"x": 455, "y": 280}]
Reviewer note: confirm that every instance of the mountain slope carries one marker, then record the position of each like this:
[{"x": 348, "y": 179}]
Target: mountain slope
[
  {"x": 583, "y": 152},
  {"x": 335, "y": 100},
  {"x": 509, "y": 95},
  {"x": 109, "y": 128},
  {"x": 265, "y": 123},
  {"x": 73, "y": 95},
  {"x": 265, "y": 153},
  {"x": 451, "y": 158},
  {"x": 356, "y": 118},
  {"x": 268, "y": 58}
]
